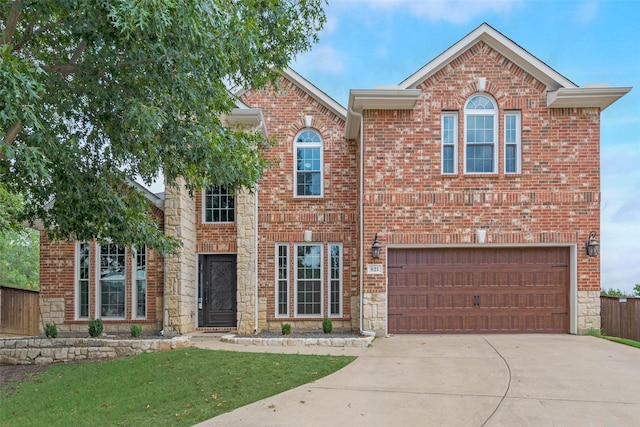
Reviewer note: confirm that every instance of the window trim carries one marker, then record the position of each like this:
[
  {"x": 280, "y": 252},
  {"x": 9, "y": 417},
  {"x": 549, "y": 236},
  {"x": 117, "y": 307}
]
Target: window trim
[
  {"x": 134, "y": 284},
  {"x": 454, "y": 116},
  {"x": 320, "y": 146},
  {"x": 204, "y": 205},
  {"x": 518, "y": 142},
  {"x": 78, "y": 300},
  {"x": 321, "y": 279},
  {"x": 340, "y": 279},
  {"x": 286, "y": 281},
  {"x": 495, "y": 114}
]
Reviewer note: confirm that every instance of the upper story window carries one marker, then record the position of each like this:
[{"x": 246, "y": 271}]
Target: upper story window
[
  {"x": 308, "y": 173},
  {"x": 512, "y": 142},
  {"x": 481, "y": 135},
  {"x": 449, "y": 143},
  {"x": 219, "y": 204}
]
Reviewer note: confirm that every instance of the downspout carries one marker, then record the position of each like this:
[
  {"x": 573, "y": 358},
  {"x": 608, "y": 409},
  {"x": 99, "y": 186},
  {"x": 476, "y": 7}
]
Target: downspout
[
  {"x": 361, "y": 196},
  {"x": 255, "y": 260}
]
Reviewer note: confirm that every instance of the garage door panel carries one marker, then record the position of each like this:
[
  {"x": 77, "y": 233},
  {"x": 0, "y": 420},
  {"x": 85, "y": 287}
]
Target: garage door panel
[{"x": 478, "y": 290}]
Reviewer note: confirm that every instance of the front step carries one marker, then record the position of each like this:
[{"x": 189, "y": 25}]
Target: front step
[{"x": 218, "y": 329}]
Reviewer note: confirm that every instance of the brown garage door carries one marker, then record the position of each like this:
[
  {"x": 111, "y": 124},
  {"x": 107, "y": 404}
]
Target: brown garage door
[{"x": 468, "y": 290}]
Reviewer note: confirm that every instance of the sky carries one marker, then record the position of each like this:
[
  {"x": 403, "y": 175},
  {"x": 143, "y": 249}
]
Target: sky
[{"x": 369, "y": 43}]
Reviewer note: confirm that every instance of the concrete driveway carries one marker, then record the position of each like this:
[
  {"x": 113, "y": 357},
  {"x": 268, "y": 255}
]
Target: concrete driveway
[{"x": 463, "y": 380}]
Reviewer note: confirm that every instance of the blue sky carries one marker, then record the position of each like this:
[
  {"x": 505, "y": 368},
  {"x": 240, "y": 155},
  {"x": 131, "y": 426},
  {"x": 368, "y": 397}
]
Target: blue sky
[{"x": 368, "y": 43}]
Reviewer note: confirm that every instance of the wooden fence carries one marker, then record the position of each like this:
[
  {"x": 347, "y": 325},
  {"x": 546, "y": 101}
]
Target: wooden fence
[
  {"x": 620, "y": 317},
  {"x": 19, "y": 312}
]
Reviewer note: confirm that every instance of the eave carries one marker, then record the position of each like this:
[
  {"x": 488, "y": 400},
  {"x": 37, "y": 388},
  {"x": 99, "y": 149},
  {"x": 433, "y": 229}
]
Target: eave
[
  {"x": 246, "y": 118},
  {"x": 392, "y": 98},
  {"x": 587, "y": 97}
]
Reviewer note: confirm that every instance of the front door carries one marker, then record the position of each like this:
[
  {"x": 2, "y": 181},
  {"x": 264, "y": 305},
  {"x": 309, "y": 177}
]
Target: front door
[{"x": 217, "y": 291}]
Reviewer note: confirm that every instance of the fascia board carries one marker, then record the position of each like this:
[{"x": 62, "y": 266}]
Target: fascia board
[
  {"x": 377, "y": 99},
  {"x": 599, "y": 97},
  {"x": 318, "y": 94},
  {"x": 246, "y": 117},
  {"x": 502, "y": 44}
]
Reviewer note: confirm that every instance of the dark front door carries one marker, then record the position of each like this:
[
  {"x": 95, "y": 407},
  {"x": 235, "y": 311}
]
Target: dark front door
[{"x": 217, "y": 293}]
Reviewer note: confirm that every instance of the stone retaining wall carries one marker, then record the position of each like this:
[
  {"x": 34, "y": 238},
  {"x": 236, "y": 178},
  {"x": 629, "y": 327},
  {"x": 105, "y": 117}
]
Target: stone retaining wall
[
  {"x": 43, "y": 351},
  {"x": 300, "y": 342}
]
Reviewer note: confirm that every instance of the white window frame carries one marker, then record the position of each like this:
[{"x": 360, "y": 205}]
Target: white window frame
[
  {"x": 204, "y": 205},
  {"x": 454, "y": 116},
  {"x": 99, "y": 281},
  {"x": 321, "y": 279},
  {"x": 319, "y": 146},
  {"x": 494, "y": 114},
  {"x": 331, "y": 279},
  {"x": 78, "y": 300},
  {"x": 285, "y": 281},
  {"x": 517, "y": 143},
  {"x": 134, "y": 284}
]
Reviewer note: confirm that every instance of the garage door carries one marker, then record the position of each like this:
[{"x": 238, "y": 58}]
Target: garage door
[{"x": 468, "y": 290}]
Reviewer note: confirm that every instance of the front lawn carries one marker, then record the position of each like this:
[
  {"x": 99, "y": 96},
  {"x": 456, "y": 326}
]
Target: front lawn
[{"x": 180, "y": 387}]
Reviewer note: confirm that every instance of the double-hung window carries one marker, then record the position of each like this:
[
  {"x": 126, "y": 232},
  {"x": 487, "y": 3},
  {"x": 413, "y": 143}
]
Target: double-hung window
[
  {"x": 308, "y": 168},
  {"x": 112, "y": 281},
  {"x": 449, "y": 142},
  {"x": 308, "y": 280},
  {"x": 140, "y": 283},
  {"x": 481, "y": 136},
  {"x": 82, "y": 292},
  {"x": 219, "y": 204},
  {"x": 512, "y": 143}
]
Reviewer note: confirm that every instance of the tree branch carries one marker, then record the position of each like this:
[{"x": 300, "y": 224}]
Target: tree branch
[
  {"x": 13, "y": 132},
  {"x": 12, "y": 22}
]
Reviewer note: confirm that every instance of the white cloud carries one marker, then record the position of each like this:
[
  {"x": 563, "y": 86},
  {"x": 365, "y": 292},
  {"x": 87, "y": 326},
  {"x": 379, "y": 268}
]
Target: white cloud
[
  {"x": 587, "y": 12},
  {"x": 453, "y": 11}
]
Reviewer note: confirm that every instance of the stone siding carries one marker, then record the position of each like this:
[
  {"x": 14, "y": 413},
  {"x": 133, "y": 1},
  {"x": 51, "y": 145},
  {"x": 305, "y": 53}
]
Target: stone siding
[
  {"x": 180, "y": 270},
  {"x": 588, "y": 311},
  {"x": 246, "y": 261},
  {"x": 44, "y": 351}
]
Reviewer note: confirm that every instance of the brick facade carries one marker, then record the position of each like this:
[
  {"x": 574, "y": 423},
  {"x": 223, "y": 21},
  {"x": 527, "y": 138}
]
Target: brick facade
[{"x": 392, "y": 138}]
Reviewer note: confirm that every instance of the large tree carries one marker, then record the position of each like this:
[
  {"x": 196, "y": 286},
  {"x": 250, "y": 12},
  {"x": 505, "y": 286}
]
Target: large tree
[{"x": 97, "y": 93}]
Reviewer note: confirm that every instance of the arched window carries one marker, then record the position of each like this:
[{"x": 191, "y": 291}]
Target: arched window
[
  {"x": 308, "y": 168},
  {"x": 481, "y": 135}
]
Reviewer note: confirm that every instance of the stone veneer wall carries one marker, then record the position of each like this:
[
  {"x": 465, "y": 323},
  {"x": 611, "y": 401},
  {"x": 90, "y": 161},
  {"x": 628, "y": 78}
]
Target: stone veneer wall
[
  {"x": 44, "y": 351},
  {"x": 375, "y": 313},
  {"x": 246, "y": 261},
  {"x": 180, "y": 270},
  {"x": 588, "y": 311}
]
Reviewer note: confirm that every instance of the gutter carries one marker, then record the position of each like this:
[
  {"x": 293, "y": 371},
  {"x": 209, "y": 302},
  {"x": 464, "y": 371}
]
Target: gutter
[{"x": 361, "y": 196}]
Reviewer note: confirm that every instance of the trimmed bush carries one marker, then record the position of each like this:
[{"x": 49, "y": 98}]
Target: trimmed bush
[
  {"x": 96, "y": 327},
  {"x": 286, "y": 329},
  {"x": 327, "y": 325},
  {"x": 51, "y": 330},
  {"x": 136, "y": 330}
]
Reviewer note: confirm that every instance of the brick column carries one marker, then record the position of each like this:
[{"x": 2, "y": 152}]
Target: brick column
[{"x": 180, "y": 283}]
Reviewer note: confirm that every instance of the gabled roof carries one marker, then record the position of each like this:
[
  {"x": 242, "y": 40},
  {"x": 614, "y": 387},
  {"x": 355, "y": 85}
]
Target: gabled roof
[
  {"x": 561, "y": 92},
  {"x": 309, "y": 88},
  {"x": 501, "y": 44}
]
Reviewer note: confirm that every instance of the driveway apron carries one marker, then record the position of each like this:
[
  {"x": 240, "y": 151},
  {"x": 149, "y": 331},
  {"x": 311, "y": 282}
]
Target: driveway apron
[{"x": 464, "y": 380}]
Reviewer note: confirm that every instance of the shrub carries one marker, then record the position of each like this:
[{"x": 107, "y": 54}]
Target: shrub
[
  {"x": 96, "y": 327},
  {"x": 286, "y": 329},
  {"x": 51, "y": 330},
  {"x": 327, "y": 325},
  {"x": 136, "y": 330}
]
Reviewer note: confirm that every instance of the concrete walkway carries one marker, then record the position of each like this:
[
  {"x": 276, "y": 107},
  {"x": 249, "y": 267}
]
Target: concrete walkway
[{"x": 472, "y": 380}]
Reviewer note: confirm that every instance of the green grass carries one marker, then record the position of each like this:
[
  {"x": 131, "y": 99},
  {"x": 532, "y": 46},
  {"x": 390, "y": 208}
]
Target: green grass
[
  {"x": 180, "y": 387},
  {"x": 625, "y": 341}
]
